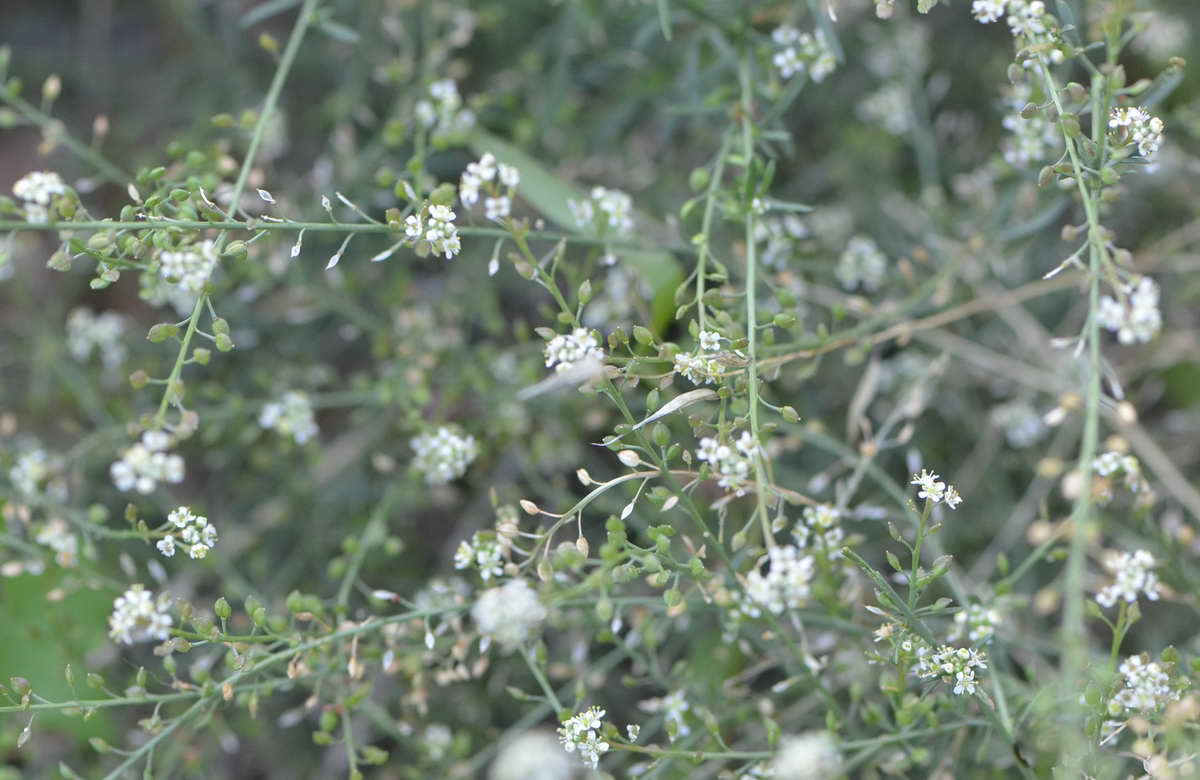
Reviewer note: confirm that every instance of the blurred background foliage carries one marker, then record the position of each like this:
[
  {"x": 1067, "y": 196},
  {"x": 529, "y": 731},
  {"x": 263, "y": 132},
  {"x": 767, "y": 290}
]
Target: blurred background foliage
[{"x": 590, "y": 90}]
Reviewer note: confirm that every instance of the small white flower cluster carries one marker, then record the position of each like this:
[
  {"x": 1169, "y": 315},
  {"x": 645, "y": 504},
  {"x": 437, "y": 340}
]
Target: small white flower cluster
[
  {"x": 436, "y": 229},
  {"x": 581, "y": 733},
  {"x": 732, "y": 465},
  {"x": 146, "y": 463},
  {"x": 138, "y": 617},
  {"x": 444, "y": 454},
  {"x": 811, "y": 756},
  {"x": 822, "y": 530},
  {"x": 779, "y": 236},
  {"x": 800, "y": 52},
  {"x": 1135, "y": 317},
  {"x": 486, "y": 173},
  {"x": 534, "y": 755},
  {"x": 613, "y": 208},
  {"x": 510, "y": 614},
  {"x": 674, "y": 707},
  {"x": 697, "y": 368},
  {"x": 1133, "y": 574},
  {"x": 56, "y": 535},
  {"x": 976, "y": 622},
  {"x": 36, "y": 188},
  {"x": 88, "y": 332},
  {"x": 482, "y": 552},
  {"x": 952, "y": 664},
  {"x": 889, "y": 107},
  {"x": 1136, "y": 125},
  {"x": 1035, "y": 138},
  {"x": 862, "y": 264},
  {"x": 566, "y": 349},
  {"x": 1023, "y": 427},
  {"x": 1113, "y": 463},
  {"x": 291, "y": 415},
  {"x": 1147, "y": 687},
  {"x": 196, "y": 534},
  {"x": 786, "y": 584},
  {"x": 933, "y": 489},
  {"x": 36, "y": 473},
  {"x": 189, "y": 267},
  {"x": 444, "y": 113}
]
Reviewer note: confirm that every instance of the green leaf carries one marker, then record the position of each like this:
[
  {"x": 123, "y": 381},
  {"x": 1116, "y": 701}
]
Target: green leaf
[{"x": 548, "y": 194}]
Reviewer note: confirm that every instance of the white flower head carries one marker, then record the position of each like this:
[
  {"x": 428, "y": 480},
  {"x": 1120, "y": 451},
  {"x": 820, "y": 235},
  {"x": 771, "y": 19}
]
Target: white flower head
[
  {"x": 138, "y": 617},
  {"x": 443, "y": 455},
  {"x": 1133, "y": 575},
  {"x": 565, "y": 350},
  {"x": 511, "y": 614},
  {"x": 811, "y": 756},
  {"x": 580, "y": 734},
  {"x": 292, "y": 415}
]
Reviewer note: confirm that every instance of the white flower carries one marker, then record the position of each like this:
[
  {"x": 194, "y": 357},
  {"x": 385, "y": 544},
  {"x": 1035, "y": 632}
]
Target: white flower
[
  {"x": 862, "y": 264},
  {"x": 145, "y": 464},
  {"x": 1133, "y": 574},
  {"x": 565, "y": 350},
  {"x": 811, "y": 756},
  {"x": 952, "y": 665},
  {"x": 987, "y": 11},
  {"x": 37, "y": 473},
  {"x": 440, "y": 231},
  {"x": 788, "y": 62},
  {"x": 509, "y": 176},
  {"x": 189, "y": 267},
  {"x": 731, "y": 465},
  {"x": 933, "y": 489},
  {"x": 785, "y": 585},
  {"x": 534, "y": 755},
  {"x": 103, "y": 333},
  {"x": 1147, "y": 687},
  {"x": 482, "y": 553},
  {"x": 138, "y": 617},
  {"x": 39, "y": 186},
  {"x": 581, "y": 733},
  {"x": 292, "y": 416},
  {"x": 698, "y": 369},
  {"x": 56, "y": 535},
  {"x": 710, "y": 340},
  {"x": 443, "y": 455},
  {"x": 510, "y": 614},
  {"x": 1136, "y": 316},
  {"x": 497, "y": 209},
  {"x": 195, "y": 532},
  {"x": 1033, "y": 139},
  {"x": 412, "y": 226},
  {"x": 977, "y": 622},
  {"x": 785, "y": 35},
  {"x": 822, "y": 525},
  {"x": 1136, "y": 125}
]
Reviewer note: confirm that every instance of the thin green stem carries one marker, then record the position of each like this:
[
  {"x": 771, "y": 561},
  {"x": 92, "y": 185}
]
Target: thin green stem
[{"x": 540, "y": 676}]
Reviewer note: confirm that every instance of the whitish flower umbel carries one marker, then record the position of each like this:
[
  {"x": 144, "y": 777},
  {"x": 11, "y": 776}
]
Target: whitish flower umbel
[
  {"x": 498, "y": 182},
  {"x": 697, "y": 368},
  {"x": 580, "y": 733},
  {"x": 822, "y": 530},
  {"x": 954, "y": 665},
  {"x": 189, "y": 267},
  {"x": 710, "y": 340},
  {"x": 37, "y": 473},
  {"x": 146, "y": 463},
  {"x": 605, "y": 209},
  {"x": 812, "y": 756},
  {"x": 732, "y": 465},
  {"x": 190, "y": 531},
  {"x": 534, "y": 755},
  {"x": 1134, "y": 316},
  {"x": 443, "y": 112},
  {"x": 56, "y": 535},
  {"x": 510, "y": 615},
  {"x": 138, "y": 617},
  {"x": 1114, "y": 464},
  {"x": 292, "y": 415},
  {"x": 931, "y": 488},
  {"x": 566, "y": 349},
  {"x": 987, "y": 11},
  {"x": 1133, "y": 574},
  {"x": 37, "y": 188},
  {"x": 785, "y": 584},
  {"x": 975, "y": 622},
  {"x": 1146, "y": 688},
  {"x": 801, "y": 52},
  {"x": 444, "y": 454},
  {"x": 1136, "y": 126},
  {"x": 440, "y": 233},
  {"x": 483, "y": 553},
  {"x": 88, "y": 332},
  {"x": 862, "y": 264}
]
